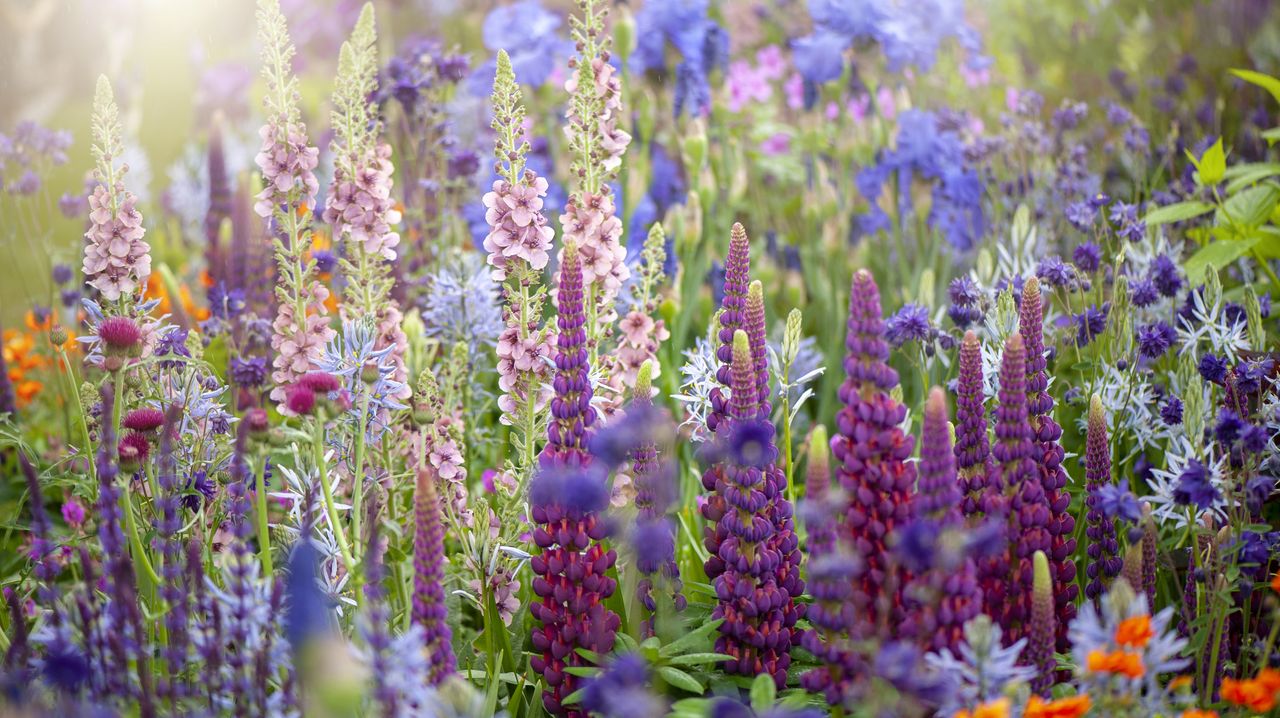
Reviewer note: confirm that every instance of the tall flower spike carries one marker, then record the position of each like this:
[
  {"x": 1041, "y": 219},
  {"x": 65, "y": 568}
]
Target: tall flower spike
[
  {"x": 220, "y": 204},
  {"x": 755, "y": 574},
  {"x": 737, "y": 277},
  {"x": 117, "y": 261},
  {"x": 1028, "y": 516},
  {"x": 872, "y": 454},
  {"x": 817, "y": 491},
  {"x": 428, "y": 578},
  {"x": 1048, "y": 457},
  {"x": 571, "y": 579},
  {"x": 948, "y": 594},
  {"x": 572, "y": 415},
  {"x": 1042, "y": 631},
  {"x": 753, "y": 320},
  {"x": 973, "y": 449},
  {"x": 1104, "y": 547}
]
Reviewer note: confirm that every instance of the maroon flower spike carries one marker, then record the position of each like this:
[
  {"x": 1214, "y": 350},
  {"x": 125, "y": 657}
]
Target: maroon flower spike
[
  {"x": 1048, "y": 458},
  {"x": 428, "y": 578},
  {"x": 872, "y": 456},
  {"x": 733, "y": 316},
  {"x": 143, "y": 420},
  {"x": 1028, "y": 511},
  {"x": 1104, "y": 546},
  {"x": 319, "y": 382},
  {"x": 572, "y": 415},
  {"x": 973, "y": 447},
  {"x": 120, "y": 336}
]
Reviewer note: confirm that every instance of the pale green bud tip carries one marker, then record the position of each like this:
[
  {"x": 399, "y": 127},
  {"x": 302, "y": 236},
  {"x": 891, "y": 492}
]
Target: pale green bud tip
[
  {"x": 1031, "y": 288},
  {"x": 755, "y": 293},
  {"x": 1042, "y": 581},
  {"x": 741, "y": 347},
  {"x": 644, "y": 379},
  {"x": 657, "y": 233},
  {"x": 819, "y": 448},
  {"x": 1096, "y": 413}
]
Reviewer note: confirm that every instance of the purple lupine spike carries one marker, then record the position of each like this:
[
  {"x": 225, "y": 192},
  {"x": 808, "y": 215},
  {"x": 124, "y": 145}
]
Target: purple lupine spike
[
  {"x": 1131, "y": 568},
  {"x": 948, "y": 595},
  {"x": 737, "y": 277},
  {"x": 1104, "y": 546},
  {"x": 8, "y": 401},
  {"x": 428, "y": 577},
  {"x": 1048, "y": 458},
  {"x": 653, "y": 499},
  {"x": 755, "y": 559},
  {"x": 1041, "y": 631},
  {"x": 168, "y": 524},
  {"x": 817, "y": 493},
  {"x": 111, "y": 538},
  {"x": 219, "y": 203},
  {"x": 872, "y": 455},
  {"x": 1150, "y": 541},
  {"x": 375, "y": 631},
  {"x": 571, "y": 578},
  {"x": 1013, "y": 451},
  {"x": 754, "y": 324},
  {"x": 938, "y": 496},
  {"x": 973, "y": 448},
  {"x": 42, "y": 546},
  {"x": 572, "y": 415}
]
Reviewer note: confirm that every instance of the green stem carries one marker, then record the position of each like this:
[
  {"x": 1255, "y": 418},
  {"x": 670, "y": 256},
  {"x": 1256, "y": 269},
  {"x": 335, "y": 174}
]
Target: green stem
[
  {"x": 357, "y": 472},
  {"x": 339, "y": 533},
  {"x": 264, "y": 532},
  {"x": 84, "y": 426}
]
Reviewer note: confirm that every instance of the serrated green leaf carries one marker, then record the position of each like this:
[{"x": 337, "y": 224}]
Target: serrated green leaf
[
  {"x": 695, "y": 659},
  {"x": 1217, "y": 255},
  {"x": 679, "y": 679},
  {"x": 1177, "y": 212},
  {"x": 763, "y": 692},
  {"x": 1266, "y": 82}
]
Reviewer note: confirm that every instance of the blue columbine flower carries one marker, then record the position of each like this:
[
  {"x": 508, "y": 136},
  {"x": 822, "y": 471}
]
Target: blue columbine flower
[
  {"x": 1171, "y": 412},
  {"x": 1117, "y": 502},
  {"x": 1087, "y": 257},
  {"x": 1154, "y": 339},
  {"x": 1213, "y": 368},
  {"x": 1195, "y": 487}
]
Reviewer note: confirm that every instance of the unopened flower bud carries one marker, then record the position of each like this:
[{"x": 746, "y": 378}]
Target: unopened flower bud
[{"x": 58, "y": 335}]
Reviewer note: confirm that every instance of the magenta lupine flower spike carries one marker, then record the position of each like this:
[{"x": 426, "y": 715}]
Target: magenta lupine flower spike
[
  {"x": 737, "y": 271},
  {"x": 973, "y": 447},
  {"x": 1042, "y": 630},
  {"x": 428, "y": 578},
  {"x": 752, "y": 564},
  {"x": 1048, "y": 458},
  {"x": 572, "y": 415},
  {"x": 1028, "y": 514},
  {"x": 946, "y": 596},
  {"x": 1104, "y": 547},
  {"x": 571, "y": 580},
  {"x": 753, "y": 321},
  {"x": 872, "y": 455}
]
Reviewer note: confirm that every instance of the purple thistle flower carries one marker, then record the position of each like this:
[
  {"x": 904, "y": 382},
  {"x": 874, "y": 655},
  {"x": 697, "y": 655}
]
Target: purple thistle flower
[
  {"x": 737, "y": 268},
  {"x": 571, "y": 581},
  {"x": 1104, "y": 548},
  {"x": 755, "y": 562},
  {"x": 1048, "y": 457},
  {"x": 428, "y": 577},
  {"x": 871, "y": 452},
  {"x": 1041, "y": 631},
  {"x": 572, "y": 415}
]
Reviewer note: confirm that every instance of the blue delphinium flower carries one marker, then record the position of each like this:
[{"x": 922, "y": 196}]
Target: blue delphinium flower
[
  {"x": 703, "y": 46},
  {"x": 529, "y": 34},
  {"x": 1117, "y": 502}
]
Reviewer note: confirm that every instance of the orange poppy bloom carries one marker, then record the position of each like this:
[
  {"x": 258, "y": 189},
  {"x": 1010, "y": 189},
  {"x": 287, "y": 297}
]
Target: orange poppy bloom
[
  {"x": 1270, "y": 678},
  {"x": 998, "y": 708},
  {"x": 1180, "y": 683},
  {"x": 1072, "y": 707},
  {"x": 1275, "y": 582},
  {"x": 36, "y": 326},
  {"x": 1197, "y": 713},
  {"x": 1134, "y": 632},
  {"x": 26, "y": 391},
  {"x": 1252, "y": 694},
  {"x": 1122, "y": 662}
]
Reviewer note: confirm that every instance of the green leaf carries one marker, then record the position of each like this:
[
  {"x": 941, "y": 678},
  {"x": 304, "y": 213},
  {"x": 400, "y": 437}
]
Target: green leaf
[
  {"x": 573, "y": 698},
  {"x": 1240, "y": 176},
  {"x": 1268, "y": 245},
  {"x": 690, "y": 640},
  {"x": 763, "y": 693},
  {"x": 1251, "y": 207},
  {"x": 1272, "y": 136},
  {"x": 679, "y": 679},
  {"x": 582, "y": 671},
  {"x": 1217, "y": 255},
  {"x": 1211, "y": 166},
  {"x": 694, "y": 659},
  {"x": 1177, "y": 212},
  {"x": 1266, "y": 82}
]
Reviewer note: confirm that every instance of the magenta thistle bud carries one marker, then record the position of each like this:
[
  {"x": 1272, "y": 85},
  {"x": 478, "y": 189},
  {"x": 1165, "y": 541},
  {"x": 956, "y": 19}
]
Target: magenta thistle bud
[
  {"x": 120, "y": 336},
  {"x": 319, "y": 382},
  {"x": 872, "y": 455},
  {"x": 1028, "y": 514},
  {"x": 300, "y": 400},
  {"x": 428, "y": 577},
  {"x": 733, "y": 310},
  {"x": 1042, "y": 629},
  {"x": 1104, "y": 546},
  {"x": 134, "y": 450},
  {"x": 143, "y": 420},
  {"x": 1048, "y": 458},
  {"x": 572, "y": 415}
]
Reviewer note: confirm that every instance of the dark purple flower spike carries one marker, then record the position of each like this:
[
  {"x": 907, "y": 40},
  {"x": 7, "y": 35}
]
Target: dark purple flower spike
[{"x": 1104, "y": 546}]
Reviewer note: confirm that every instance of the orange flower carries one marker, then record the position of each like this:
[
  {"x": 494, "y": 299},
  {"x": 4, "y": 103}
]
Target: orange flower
[
  {"x": 1275, "y": 582},
  {"x": 1123, "y": 662},
  {"x": 206, "y": 279},
  {"x": 1072, "y": 707},
  {"x": 1180, "y": 683},
  {"x": 1197, "y": 713},
  {"x": 27, "y": 391},
  {"x": 1253, "y": 694},
  {"x": 1270, "y": 678},
  {"x": 998, "y": 708},
  {"x": 36, "y": 326},
  {"x": 1134, "y": 632}
]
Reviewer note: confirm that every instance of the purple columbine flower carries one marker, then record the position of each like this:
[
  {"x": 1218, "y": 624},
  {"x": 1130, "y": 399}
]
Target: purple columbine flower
[
  {"x": 1081, "y": 215},
  {"x": 1090, "y": 323},
  {"x": 1055, "y": 272},
  {"x": 1155, "y": 339},
  {"x": 1048, "y": 458},
  {"x": 1164, "y": 273},
  {"x": 1104, "y": 547},
  {"x": 1195, "y": 487},
  {"x": 755, "y": 554},
  {"x": 966, "y": 302},
  {"x": 1087, "y": 257},
  {"x": 1213, "y": 368},
  {"x": 871, "y": 452},
  {"x": 1143, "y": 292},
  {"x": 428, "y": 577}
]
